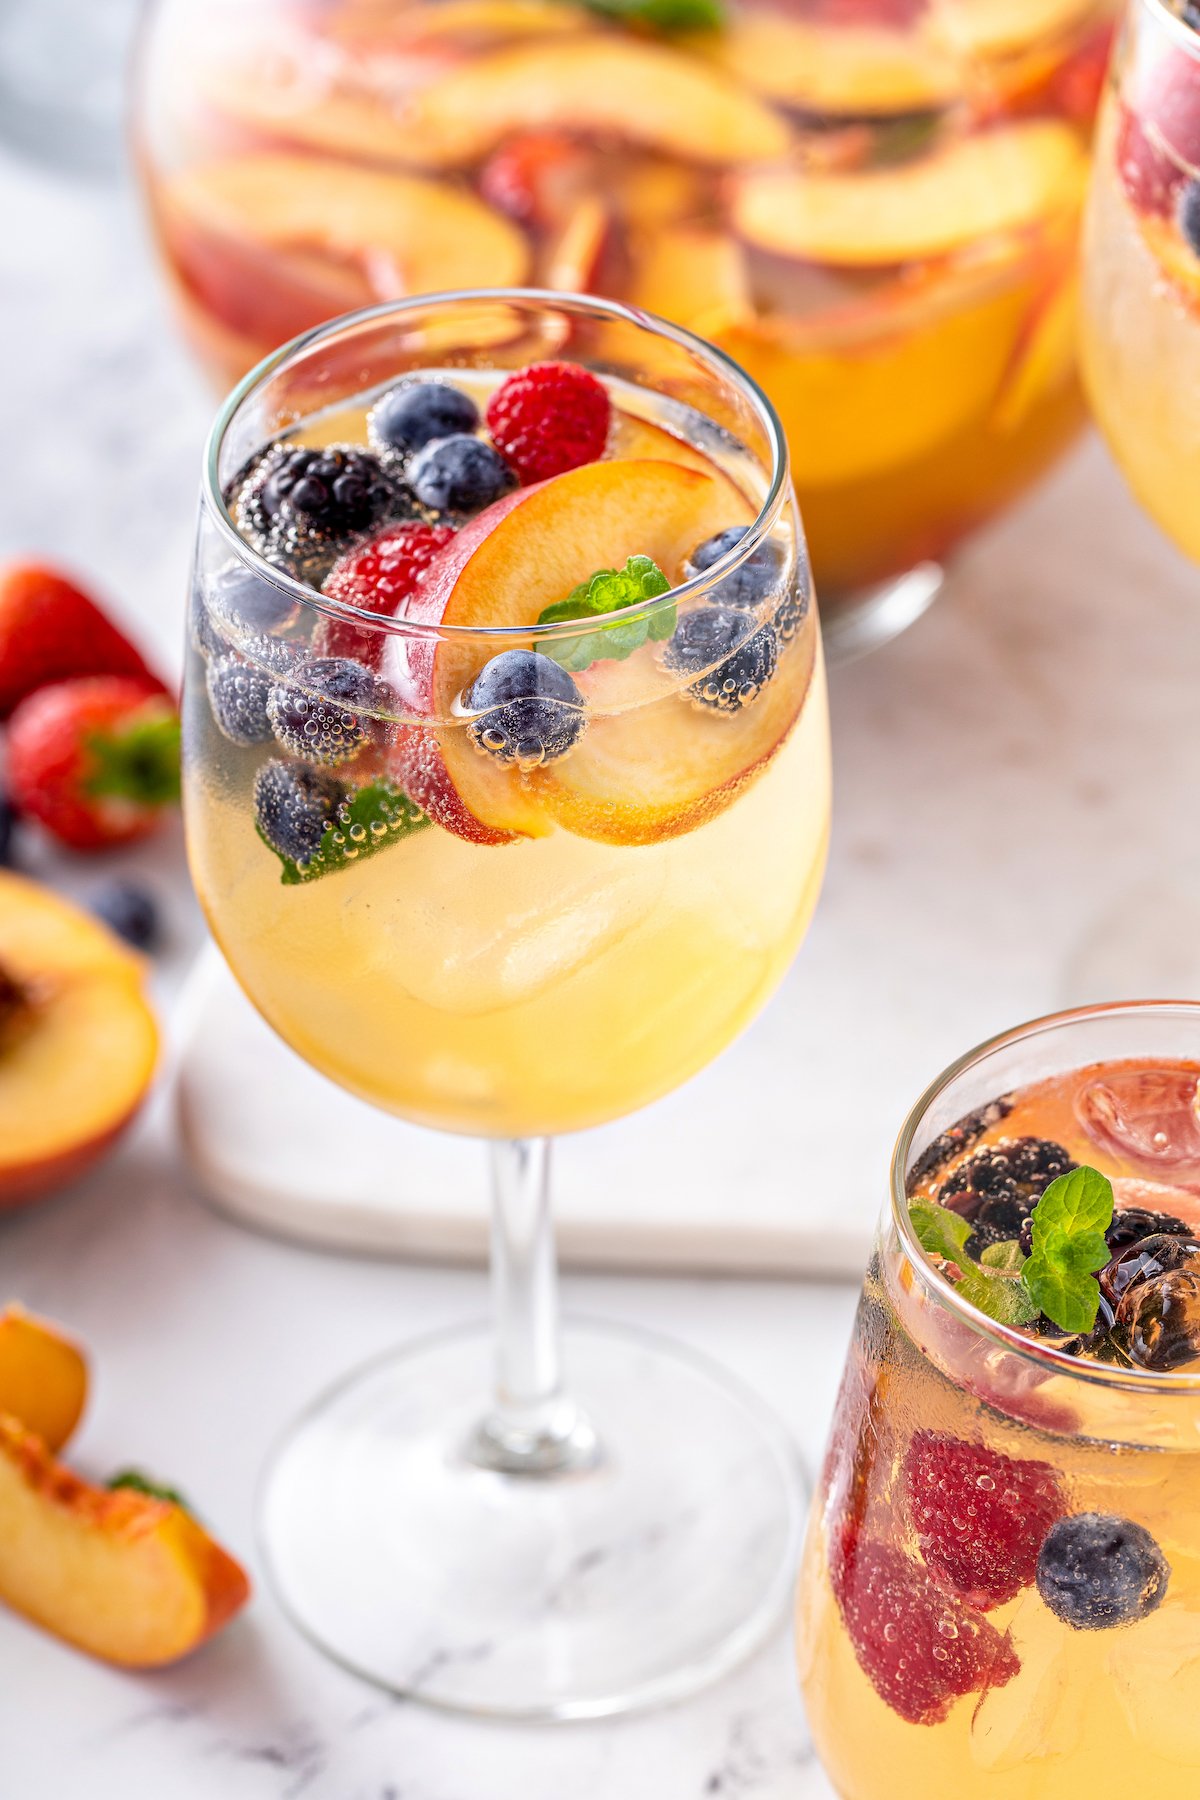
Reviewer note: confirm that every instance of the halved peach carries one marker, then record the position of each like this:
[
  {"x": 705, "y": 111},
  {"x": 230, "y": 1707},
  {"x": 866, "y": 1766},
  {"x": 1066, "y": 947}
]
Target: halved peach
[
  {"x": 647, "y": 773},
  {"x": 860, "y": 71},
  {"x": 78, "y": 1041},
  {"x": 405, "y": 234},
  {"x": 1002, "y": 181},
  {"x": 693, "y": 274},
  {"x": 518, "y": 557},
  {"x": 128, "y": 1578},
  {"x": 43, "y": 1376},
  {"x": 630, "y": 89}
]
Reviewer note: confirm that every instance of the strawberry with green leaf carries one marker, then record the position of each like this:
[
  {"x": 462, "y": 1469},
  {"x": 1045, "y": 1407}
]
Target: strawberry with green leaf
[{"x": 95, "y": 760}]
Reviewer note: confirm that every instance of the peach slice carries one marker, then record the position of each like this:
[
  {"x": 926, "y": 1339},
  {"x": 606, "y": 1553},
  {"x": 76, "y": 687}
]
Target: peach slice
[
  {"x": 1001, "y": 181},
  {"x": 43, "y": 1376},
  {"x": 861, "y": 71},
  {"x": 572, "y": 257},
  {"x": 406, "y": 234},
  {"x": 1176, "y": 259},
  {"x": 78, "y": 1041},
  {"x": 624, "y": 88},
  {"x": 996, "y": 28},
  {"x": 630, "y": 437},
  {"x": 653, "y": 772},
  {"x": 130, "y": 1579},
  {"x": 388, "y": 27},
  {"x": 1046, "y": 356},
  {"x": 504, "y": 567},
  {"x": 693, "y": 274}
]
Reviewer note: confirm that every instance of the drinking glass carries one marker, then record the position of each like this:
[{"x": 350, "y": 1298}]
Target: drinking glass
[
  {"x": 514, "y": 955},
  {"x": 931, "y": 1662},
  {"x": 871, "y": 204}
]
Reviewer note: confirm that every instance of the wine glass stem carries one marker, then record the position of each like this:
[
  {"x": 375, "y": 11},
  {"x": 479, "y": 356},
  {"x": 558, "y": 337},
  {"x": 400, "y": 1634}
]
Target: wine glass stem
[{"x": 532, "y": 1426}]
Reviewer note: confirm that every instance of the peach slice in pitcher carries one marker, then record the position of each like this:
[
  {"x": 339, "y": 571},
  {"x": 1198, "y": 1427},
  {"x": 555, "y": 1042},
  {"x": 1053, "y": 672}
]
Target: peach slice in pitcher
[
  {"x": 523, "y": 554},
  {"x": 999, "y": 182},
  {"x": 856, "y": 70}
]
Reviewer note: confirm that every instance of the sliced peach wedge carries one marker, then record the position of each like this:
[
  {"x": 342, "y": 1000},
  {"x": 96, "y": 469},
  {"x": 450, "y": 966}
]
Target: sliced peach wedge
[
  {"x": 128, "y": 1578},
  {"x": 523, "y": 554},
  {"x": 43, "y": 1376},
  {"x": 693, "y": 274},
  {"x": 995, "y": 183},
  {"x": 859, "y": 71},
  {"x": 78, "y": 1040},
  {"x": 406, "y": 235}
]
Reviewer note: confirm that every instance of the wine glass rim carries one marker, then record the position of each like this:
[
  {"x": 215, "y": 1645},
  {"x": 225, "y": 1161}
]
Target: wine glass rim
[
  {"x": 706, "y": 353},
  {"x": 1187, "y": 35},
  {"x": 1033, "y": 1350}
]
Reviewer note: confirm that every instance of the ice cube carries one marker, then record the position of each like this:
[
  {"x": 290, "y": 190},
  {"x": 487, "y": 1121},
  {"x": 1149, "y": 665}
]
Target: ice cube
[
  {"x": 1149, "y": 1117},
  {"x": 1158, "y": 1318}
]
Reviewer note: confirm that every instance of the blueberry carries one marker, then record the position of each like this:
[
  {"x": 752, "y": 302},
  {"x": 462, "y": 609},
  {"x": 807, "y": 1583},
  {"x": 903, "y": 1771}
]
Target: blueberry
[
  {"x": 743, "y": 665},
  {"x": 459, "y": 474},
  {"x": 322, "y": 712},
  {"x": 417, "y": 412},
  {"x": 240, "y": 601},
  {"x": 238, "y": 694},
  {"x": 529, "y": 709},
  {"x": 751, "y": 583},
  {"x": 1188, "y": 214},
  {"x": 131, "y": 911},
  {"x": 1096, "y": 1570},
  {"x": 8, "y": 831},
  {"x": 293, "y": 804}
]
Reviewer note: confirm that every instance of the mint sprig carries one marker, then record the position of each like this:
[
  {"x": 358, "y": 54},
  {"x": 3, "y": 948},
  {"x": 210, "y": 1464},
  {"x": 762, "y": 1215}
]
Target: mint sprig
[
  {"x": 663, "y": 15},
  {"x": 1058, "y": 1278},
  {"x": 362, "y": 825},
  {"x": 1069, "y": 1246},
  {"x": 609, "y": 591}
]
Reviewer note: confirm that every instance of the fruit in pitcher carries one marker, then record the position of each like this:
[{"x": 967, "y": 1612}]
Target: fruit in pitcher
[
  {"x": 325, "y": 711},
  {"x": 548, "y": 418},
  {"x": 733, "y": 664},
  {"x": 78, "y": 1042},
  {"x": 997, "y": 182},
  {"x": 379, "y": 577},
  {"x": 459, "y": 475},
  {"x": 51, "y": 630},
  {"x": 979, "y": 1517},
  {"x": 43, "y": 1376},
  {"x": 1096, "y": 1571},
  {"x": 858, "y": 68},
  {"x": 416, "y": 412},
  {"x": 293, "y": 803},
  {"x": 754, "y": 580},
  {"x": 527, "y": 709},
  {"x": 95, "y": 760},
  {"x": 238, "y": 695},
  {"x": 299, "y": 504},
  {"x": 130, "y": 1579}
]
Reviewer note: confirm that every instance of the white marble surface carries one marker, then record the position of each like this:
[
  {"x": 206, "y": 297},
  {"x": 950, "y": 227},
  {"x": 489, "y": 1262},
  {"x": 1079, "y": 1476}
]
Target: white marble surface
[{"x": 1014, "y": 776}]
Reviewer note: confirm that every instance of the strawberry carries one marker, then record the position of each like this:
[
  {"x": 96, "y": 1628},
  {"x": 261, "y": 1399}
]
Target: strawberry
[
  {"x": 549, "y": 417},
  {"x": 980, "y": 1517},
  {"x": 920, "y": 1648},
  {"x": 50, "y": 629},
  {"x": 95, "y": 760},
  {"x": 377, "y": 578}
]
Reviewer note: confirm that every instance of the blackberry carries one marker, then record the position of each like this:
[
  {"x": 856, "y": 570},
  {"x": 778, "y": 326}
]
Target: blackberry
[
  {"x": 1187, "y": 212},
  {"x": 529, "y": 711},
  {"x": 293, "y": 803},
  {"x": 1096, "y": 1570},
  {"x": 238, "y": 695},
  {"x": 303, "y": 508},
  {"x": 323, "y": 712},
  {"x": 130, "y": 910},
  {"x": 1136, "y": 1222},
  {"x": 752, "y": 582},
  {"x": 459, "y": 474},
  {"x": 8, "y": 831},
  {"x": 957, "y": 1138},
  {"x": 417, "y": 412},
  {"x": 737, "y": 668},
  {"x": 998, "y": 1187}
]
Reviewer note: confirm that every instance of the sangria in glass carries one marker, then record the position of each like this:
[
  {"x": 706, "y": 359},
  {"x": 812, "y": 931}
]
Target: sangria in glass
[
  {"x": 506, "y": 776},
  {"x": 870, "y": 204},
  {"x": 1001, "y": 1587}
]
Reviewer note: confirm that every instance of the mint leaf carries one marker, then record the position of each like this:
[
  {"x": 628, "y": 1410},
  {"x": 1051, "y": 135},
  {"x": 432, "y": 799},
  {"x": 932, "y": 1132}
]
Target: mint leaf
[
  {"x": 663, "y": 15},
  {"x": 143, "y": 1484},
  {"x": 939, "y": 1231},
  {"x": 998, "y": 1296},
  {"x": 1069, "y": 1222},
  {"x": 367, "y": 822},
  {"x": 1006, "y": 1256},
  {"x": 609, "y": 591}
]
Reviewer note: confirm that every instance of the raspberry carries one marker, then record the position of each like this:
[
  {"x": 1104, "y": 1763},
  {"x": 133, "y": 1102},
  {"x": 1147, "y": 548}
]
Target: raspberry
[
  {"x": 980, "y": 1517},
  {"x": 377, "y": 578},
  {"x": 548, "y": 418},
  {"x": 920, "y": 1648}
]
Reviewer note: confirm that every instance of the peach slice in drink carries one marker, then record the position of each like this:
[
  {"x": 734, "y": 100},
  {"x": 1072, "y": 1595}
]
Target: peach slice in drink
[{"x": 859, "y": 71}]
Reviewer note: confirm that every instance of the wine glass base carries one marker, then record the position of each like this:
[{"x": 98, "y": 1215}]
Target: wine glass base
[
  {"x": 852, "y": 625},
  {"x": 625, "y": 1584}
]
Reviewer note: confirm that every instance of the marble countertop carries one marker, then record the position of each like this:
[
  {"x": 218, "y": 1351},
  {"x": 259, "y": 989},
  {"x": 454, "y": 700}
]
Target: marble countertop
[{"x": 1013, "y": 786}]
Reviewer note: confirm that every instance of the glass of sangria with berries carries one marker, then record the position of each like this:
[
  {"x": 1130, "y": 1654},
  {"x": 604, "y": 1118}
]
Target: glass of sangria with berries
[
  {"x": 1001, "y": 1587},
  {"x": 872, "y": 205},
  {"x": 506, "y": 780},
  {"x": 1141, "y": 338}
]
